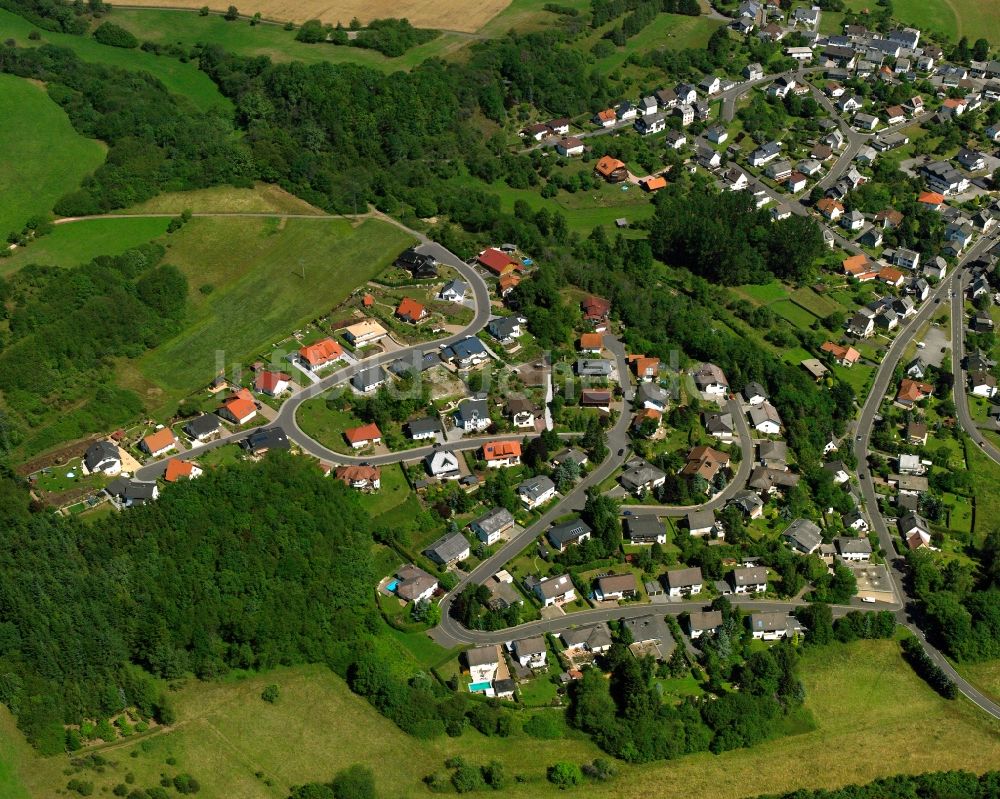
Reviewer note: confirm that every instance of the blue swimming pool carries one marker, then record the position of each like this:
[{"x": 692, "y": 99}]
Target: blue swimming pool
[
  {"x": 391, "y": 587},
  {"x": 479, "y": 686}
]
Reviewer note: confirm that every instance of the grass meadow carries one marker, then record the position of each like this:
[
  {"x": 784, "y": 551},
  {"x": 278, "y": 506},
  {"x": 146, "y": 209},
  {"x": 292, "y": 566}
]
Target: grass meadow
[
  {"x": 253, "y": 281},
  {"x": 237, "y": 745},
  {"x": 43, "y": 157},
  {"x": 183, "y": 79}
]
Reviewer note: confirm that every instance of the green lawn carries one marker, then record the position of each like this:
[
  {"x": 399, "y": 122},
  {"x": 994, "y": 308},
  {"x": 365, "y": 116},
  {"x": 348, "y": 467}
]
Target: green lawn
[
  {"x": 77, "y": 243},
  {"x": 795, "y": 314},
  {"x": 671, "y": 31},
  {"x": 43, "y": 157},
  {"x": 187, "y": 28},
  {"x": 183, "y": 79},
  {"x": 986, "y": 490},
  {"x": 863, "y": 698},
  {"x": 326, "y": 425},
  {"x": 764, "y": 293},
  {"x": 939, "y": 16},
  {"x": 254, "y": 271},
  {"x": 394, "y": 492},
  {"x": 818, "y": 304}
]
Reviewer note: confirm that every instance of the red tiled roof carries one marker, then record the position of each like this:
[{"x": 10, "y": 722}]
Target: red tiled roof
[
  {"x": 321, "y": 352},
  {"x": 366, "y": 432},
  {"x": 268, "y": 381},
  {"x": 595, "y": 307},
  {"x": 410, "y": 310},
  {"x": 495, "y": 261},
  {"x": 176, "y": 469},
  {"x": 608, "y": 165},
  {"x": 351, "y": 474},
  {"x": 501, "y": 450},
  {"x": 240, "y": 407},
  {"x": 158, "y": 440}
]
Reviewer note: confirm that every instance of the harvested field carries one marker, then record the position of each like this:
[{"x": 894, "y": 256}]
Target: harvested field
[{"x": 454, "y": 15}]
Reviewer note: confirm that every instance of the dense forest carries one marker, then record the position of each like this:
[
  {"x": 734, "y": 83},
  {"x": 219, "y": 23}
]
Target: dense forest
[
  {"x": 249, "y": 567},
  {"x": 65, "y": 328},
  {"x": 936, "y": 785}
]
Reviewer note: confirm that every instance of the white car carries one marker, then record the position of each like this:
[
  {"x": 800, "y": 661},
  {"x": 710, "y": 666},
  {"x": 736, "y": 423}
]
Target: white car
[{"x": 869, "y": 599}]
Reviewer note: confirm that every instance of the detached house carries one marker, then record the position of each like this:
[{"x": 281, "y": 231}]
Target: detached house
[
  {"x": 501, "y": 454},
  {"x": 616, "y": 587},
  {"x": 710, "y": 379},
  {"x": 536, "y": 491},
  {"x": 366, "y": 435},
  {"x": 530, "y": 652},
  {"x": 271, "y": 383},
  {"x": 492, "y": 526},
  {"x": 554, "y": 590},
  {"x": 803, "y": 536},
  {"x": 361, "y": 478},
  {"x": 684, "y": 582},
  {"x": 449, "y": 549},
  {"x": 749, "y": 580},
  {"x": 103, "y": 457},
  {"x": 159, "y": 443},
  {"x": 322, "y": 353},
  {"x": 411, "y": 311}
]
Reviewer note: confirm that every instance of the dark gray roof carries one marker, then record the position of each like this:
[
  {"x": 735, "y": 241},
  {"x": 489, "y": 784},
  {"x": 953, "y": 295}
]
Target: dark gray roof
[
  {"x": 203, "y": 425},
  {"x": 534, "y": 487},
  {"x": 470, "y": 410},
  {"x": 264, "y": 439},
  {"x": 567, "y": 532},
  {"x": 448, "y": 547},
  {"x": 649, "y": 628},
  {"x": 853, "y": 546},
  {"x": 494, "y": 520},
  {"x": 98, "y": 452},
  {"x": 804, "y": 533},
  {"x": 595, "y": 636},
  {"x": 482, "y": 655},
  {"x": 644, "y": 528},
  {"x": 426, "y": 425},
  {"x": 751, "y": 575},
  {"x": 366, "y": 378},
  {"x": 683, "y": 578}
]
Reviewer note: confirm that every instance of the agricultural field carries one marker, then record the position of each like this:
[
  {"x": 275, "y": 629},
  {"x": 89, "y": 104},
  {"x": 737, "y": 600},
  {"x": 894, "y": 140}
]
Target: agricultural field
[
  {"x": 77, "y": 243},
  {"x": 288, "y": 272},
  {"x": 235, "y": 744},
  {"x": 183, "y": 79},
  {"x": 454, "y": 15},
  {"x": 186, "y": 28},
  {"x": 670, "y": 31},
  {"x": 261, "y": 198},
  {"x": 43, "y": 157}
]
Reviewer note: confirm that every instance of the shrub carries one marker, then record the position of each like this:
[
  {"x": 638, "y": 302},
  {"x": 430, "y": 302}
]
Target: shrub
[
  {"x": 270, "y": 694},
  {"x": 185, "y": 783},
  {"x": 565, "y": 775},
  {"x": 115, "y": 36}
]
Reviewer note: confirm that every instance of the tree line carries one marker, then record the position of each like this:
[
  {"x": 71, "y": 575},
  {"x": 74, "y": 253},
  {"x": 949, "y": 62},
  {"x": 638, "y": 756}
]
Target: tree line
[{"x": 935, "y": 785}]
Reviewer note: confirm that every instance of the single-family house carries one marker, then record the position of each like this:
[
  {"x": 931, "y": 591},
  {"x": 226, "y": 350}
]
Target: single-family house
[
  {"x": 443, "y": 465},
  {"x": 530, "y": 652},
  {"x": 365, "y": 332},
  {"x": 702, "y": 622},
  {"x": 844, "y": 355},
  {"x": 912, "y": 391},
  {"x": 322, "y": 353},
  {"x": 554, "y": 590},
  {"x": 710, "y": 379},
  {"x": 838, "y": 470},
  {"x": 803, "y": 536},
  {"x": 754, "y": 393},
  {"x": 749, "y": 579},
  {"x": 702, "y": 522},
  {"x": 449, "y": 549},
  {"x": 593, "y": 638},
  {"x": 159, "y": 443},
  {"x": 853, "y": 550},
  {"x": 613, "y": 587},
  {"x": 536, "y": 491},
  {"x": 501, "y": 454},
  {"x": 466, "y": 353},
  {"x": 640, "y": 477},
  {"x": 413, "y": 584},
  {"x": 264, "y": 439},
  {"x": 103, "y": 457},
  {"x": 645, "y": 529},
  {"x": 705, "y": 462},
  {"x": 364, "y": 436},
  {"x": 774, "y": 625},
  {"x": 982, "y": 384},
  {"x": 765, "y": 419},
  {"x": 684, "y": 582},
  {"x": 748, "y": 503},
  {"x": 611, "y": 169},
  {"x": 367, "y": 380},
  {"x": 360, "y": 477},
  {"x": 570, "y": 146}
]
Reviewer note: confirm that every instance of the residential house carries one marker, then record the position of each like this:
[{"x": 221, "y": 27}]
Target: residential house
[
  {"x": 894, "y": 115},
  {"x": 264, "y": 439},
  {"x": 684, "y": 582},
  {"x": 702, "y": 622},
  {"x": 838, "y": 470},
  {"x": 521, "y": 412},
  {"x": 970, "y": 159},
  {"x": 367, "y": 380},
  {"x": 779, "y": 170},
  {"x": 449, "y": 549},
  {"x": 364, "y": 436},
  {"x": 238, "y": 408},
  {"x": 648, "y": 125},
  {"x": 931, "y": 199},
  {"x": 501, "y": 454},
  {"x": 942, "y": 177},
  {"x": 443, "y": 465},
  {"x": 611, "y": 169},
  {"x": 765, "y": 419},
  {"x": 855, "y": 520},
  {"x": 322, "y": 353},
  {"x": 594, "y": 367},
  {"x": 411, "y": 311},
  {"x": 853, "y": 220},
  {"x": 625, "y": 111},
  {"x": 418, "y": 264},
  {"x": 702, "y": 522},
  {"x": 719, "y": 425},
  {"x": 596, "y": 311},
  {"x": 796, "y": 183},
  {"x": 803, "y": 536},
  {"x": 710, "y": 379},
  {"x": 753, "y": 71},
  {"x": 415, "y": 585},
  {"x": 361, "y": 477},
  {"x": 453, "y": 291},
  {"x": 591, "y": 343},
  {"x": 914, "y": 530},
  {"x": 536, "y": 491},
  {"x": 749, "y": 504},
  {"x": 103, "y": 457},
  {"x": 888, "y": 218},
  {"x": 125, "y": 493},
  {"x": 530, "y": 652},
  {"x": 815, "y": 367},
  {"x": 648, "y": 106},
  {"x": 570, "y": 146},
  {"x": 496, "y": 262},
  {"x": 708, "y": 158},
  {"x": 912, "y": 391},
  {"x": 365, "y": 332},
  {"x": 749, "y": 579},
  {"x": 908, "y": 259},
  {"x": 774, "y": 625},
  {"x": 484, "y": 664},
  {"x": 466, "y": 353},
  {"x": 423, "y": 429},
  {"x": 764, "y": 154},
  {"x": 159, "y": 443},
  {"x": 717, "y": 134},
  {"x": 844, "y": 355},
  {"x": 615, "y": 587},
  {"x": 675, "y": 139},
  {"x": 652, "y": 397},
  {"x": 865, "y": 121},
  {"x": 705, "y": 462},
  {"x": 710, "y": 84},
  {"x": 754, "y": 393},
  {"x": 831, "y": 209},
  {"x": 853, "y": 550},
  {"x": 493, "y": 525},
  {"x": 644, "y": 367},
  {"x": 594, "y": 639},
  {"x": 595, "y": 398},
  {"x": 861, "y": 326},
  {"x": 571, "y": 454},
  {"x": 646, "y": 529},
  {"x": 606, "y": 118},
  {"x": 554, "y": 590},
  {"x": 982, "y": 384},
  {"x": 271, "y": 383},
  {"x": 686, "y": 114},
  {"x": 916, "y": 434},
  {"x": 773, "y": 454},
  {"x": 640, "y": 477},
  {"x": 506, "y": 329}
]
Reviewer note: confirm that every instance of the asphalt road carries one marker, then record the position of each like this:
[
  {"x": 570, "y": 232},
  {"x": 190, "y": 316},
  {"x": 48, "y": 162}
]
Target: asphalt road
[{"x": 958, "y": 354}]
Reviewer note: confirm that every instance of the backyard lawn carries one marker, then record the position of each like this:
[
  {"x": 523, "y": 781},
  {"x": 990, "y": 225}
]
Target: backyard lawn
[
  {"x": 326, "y": 425},
  {"x": 43, "y": 157}
]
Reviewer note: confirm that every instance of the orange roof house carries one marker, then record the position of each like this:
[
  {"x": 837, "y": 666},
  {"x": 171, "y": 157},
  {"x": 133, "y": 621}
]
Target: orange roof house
[
  {"x": 646, "y": 414},
  {"x": 321, "y": 353},
  {"x": 911, "y": 391},
  {"x": 645, "y": 367},
  {"x": 159, "y": 442},
  {"x": 364, "y": 435},
  {"x": 931, "y": 198},
  {"x": 272, "y": 383},
  {"x": 891, "y": 276},
  {"x": 368, "y": 301},
  {"x": 856, "y": 265},
  {"x": 595, "y": 308},
  {"x": 611, "y": 169},
  {"x": 607, "y": 115},
  {"x": 176, "y": 469},
  {"x": 364, "y": 477},
  {"x": 654, "y": 183},
  {"x": 409, "y": 310},
  {"x": 591, "y": 342},
  {"x": 497, "y": 262},
  {"x": 830, "y": 208},
  {"x": 508, "y": 283},
  {"x": 239, "y": 408},
  {"x": 890, "y": 217},
  {"x": 847, "y": 356},
  {"x": 502, "y": 453}
]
